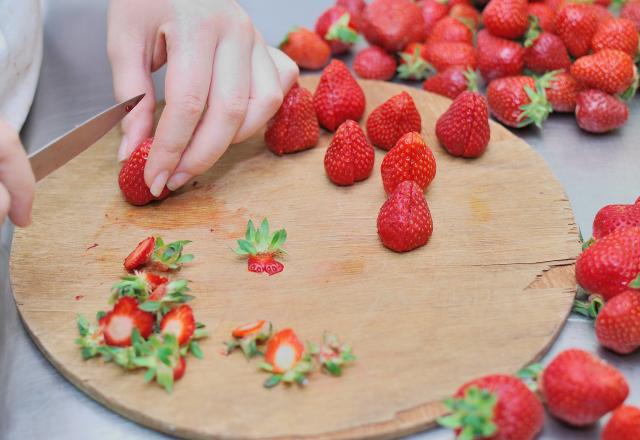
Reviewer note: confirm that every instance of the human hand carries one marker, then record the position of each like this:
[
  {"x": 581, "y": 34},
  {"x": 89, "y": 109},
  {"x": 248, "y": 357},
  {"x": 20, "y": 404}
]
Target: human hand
[
  {"x": 222, "y": 85},
  {"x": 17, "y": 184}
]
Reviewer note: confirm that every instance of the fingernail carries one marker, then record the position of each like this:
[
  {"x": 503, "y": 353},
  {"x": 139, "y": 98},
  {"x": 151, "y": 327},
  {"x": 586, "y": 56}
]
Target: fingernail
[
  {"x": 158, "y": 184},
  {"x": 122, "y": 151},
  {"x": 177, "y": 180}
]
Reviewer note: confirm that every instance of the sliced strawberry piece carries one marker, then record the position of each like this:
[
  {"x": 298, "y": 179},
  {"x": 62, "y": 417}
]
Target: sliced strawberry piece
[
  {"x": 118, "y": 324},
  {"x": 284, "y": 351},
  {"x": 158, "y": 292},
  {"x": 180, "y": 369},
  {"x": 141, "y": 255},
  {"x": 155, "y": 280},
  {"x": 248, "y": 329},
  {"x": 179, "y": 322}
]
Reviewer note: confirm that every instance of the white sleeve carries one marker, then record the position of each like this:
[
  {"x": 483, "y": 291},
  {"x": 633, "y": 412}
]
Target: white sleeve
[{"x": 20, "y": 57}]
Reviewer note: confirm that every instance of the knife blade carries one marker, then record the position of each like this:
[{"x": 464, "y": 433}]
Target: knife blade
[{"x": 61, "y": 150}]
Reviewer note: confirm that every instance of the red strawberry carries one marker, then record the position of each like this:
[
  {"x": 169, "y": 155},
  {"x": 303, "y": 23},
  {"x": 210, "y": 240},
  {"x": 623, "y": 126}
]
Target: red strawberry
[
  {"x": 350, "y": 156},
  {"x": 179, "y": 369},
  {"x": 306, "y": 48},
  {"x": 155, "y": 280},
  {"x": 391, "y": 120},
  {"x": 576, "y": 24},
  {"x": 467, "y": 14},
  {"x": 546, "y": 52},
  {"x": 410, "y": 159},
  {"x": 498, "y": 57},
  {"x": 518, "y": 101},
  {"x": 613, "y": 217},
  {"x": 554, "y": 5},
  {"x": 141, "y": 255},
  {"x": 496, "y": 407},
  {"x": 450, "y": 29},
  {"x": 374, "y": 63},
  {"x": 598, "y": 112},
  {"x": 179, "y": 322},
  {"x": 452, "y": 81},
  {"x": 118, "y": 324},
  {"x": 463, "y": 130},
  {"x": 506, "y": 18},
  {"x": 338, "y": 29},
  {"x": 631, "y": 11},
  {"x": 295, "y": 127},
  {"x": 617, "y": 324},
  {"x": 609, "y": 70},
  {"x": 404, "y": 221},
  {"x": 412, "y": 66},
  {"x": 159, "y": 292},
  {"x": 602, "y": 13},
  {"x": 338, "y": 97},
  {"x": 624, "y": 424},
  {"x": 432, "y": 12},
  {"x": 355, "y": 7},
  {"x": 608, "y": 266},
  {"x": 284, "y": 351},
  {"x": 545, "y": 15},
  {"x": 580, "y": 388},
  {"x": 616, "y": 33},
  {"x": 249, "y": 329},
  {"x": 131, "y": 178},
  {"x": 446, "y": 54},
  {"x": 562, "y": 92},
  {"x": 392, "y": 24}
]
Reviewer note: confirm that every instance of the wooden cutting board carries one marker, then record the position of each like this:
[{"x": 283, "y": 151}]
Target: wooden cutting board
[{"x": 488, "y": 294}]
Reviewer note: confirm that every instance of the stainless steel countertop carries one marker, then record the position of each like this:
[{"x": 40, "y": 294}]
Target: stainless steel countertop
[{"x": 75, "y": 83}]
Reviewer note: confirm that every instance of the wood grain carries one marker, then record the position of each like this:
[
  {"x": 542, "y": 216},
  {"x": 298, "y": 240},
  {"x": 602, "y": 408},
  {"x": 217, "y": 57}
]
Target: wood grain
[{"x": 489, "y": 293}]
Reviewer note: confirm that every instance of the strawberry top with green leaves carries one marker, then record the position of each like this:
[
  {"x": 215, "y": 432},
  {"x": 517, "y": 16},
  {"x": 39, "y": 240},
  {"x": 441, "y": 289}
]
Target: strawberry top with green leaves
[
  {"x": 392, "y": 24},
  {"x": 410, "y": 159},
  {"x": 332, "y": 355},
  {"x": 131, "y": 177},
  {"x": 518, "y": 101},
  {"x": 616, "y": 33},
  {"x": 118, "y": 324},
  {"x": 261, "y": 241},
  {"x": 391, "y": 120},
  {"x": 249, "y": 329},
  {"x": 338, "y": 29},
  {"x": 624, "y": 424},
  {"x": 139, "y": 286},
  {"x": 169, "y": 256},
  {"x": 308, "y": 49},
  {"x": 576, "y": 24},
  {"x": 617, "y": 324},
  {"x": 463, "y": 130},
  {"x": 496, "y": 407},
  {"x": 579, "y": 388},
  {"x": 499, "y": 57},
  {"x": 452, "y": 81},
  {"x": 349, "y": 157},
  {"x": 506, "y": 18},
  {"x": 450, "y": 29},
  {"x": 247, "y": 337},
  {"x": 609, "y": 70},
  {"x": 374, "y": 63},
  {"x": 610, "y": 218},
  {"x": 413, "y": 66}
]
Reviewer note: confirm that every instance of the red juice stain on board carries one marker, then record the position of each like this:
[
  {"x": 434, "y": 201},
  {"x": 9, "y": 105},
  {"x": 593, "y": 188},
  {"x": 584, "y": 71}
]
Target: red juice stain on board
[{"x": 78, "y": 297}]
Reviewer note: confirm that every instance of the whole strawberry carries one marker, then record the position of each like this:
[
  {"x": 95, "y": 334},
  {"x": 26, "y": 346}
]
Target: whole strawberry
[
  {"x": 392, "y": 24},
  {"x": 631, "y": 11},
  {"x": 295, "y": 126},
  {"x": 617, "y": 325},
  {"x": 467, "y": 14},
  {"x": 624, "y": 424},
  {"x": 410, "y": 159},
  {"x": 608, "y": 266},
  {"x": 450, "y": 29},
  {"x": 602, "y": 13},
  {"x": 306, "y": 48},
  {"x": 518, "y": 101},
  {"x": 498, "y": 57},
  {"x": 598, "y": 112},
  {"x": 404, "y": 221},
  {"x": 338, "y": 29},
  {"x": 609, "y": 70},
  {"x": 412, "y": 66},
  {"x": 391, "y": 120},
  {"x": 562, "y": 92},
  {"x": 610, "y": 218},
  {"x": 496, "y": 407},
  {"x": 463, "y": 130},
  {"x": 545, "y": 15},
  {"x": 432, "y": 12},
  {"x": 451, "y": 82},
  {"x": 579, "y": 388},
  {"x": 616, "y": 33},
  {"x": 338, "y": 96},
  {"x": 350, "y": 156},
  {"x": 545, "y": 53},
  {"x": 506, "y": 18},
  {"x": 131, "y": 178},
  {"x": 374, "y": 63},
  {"x": 445, "y": 54},
  {"x": 576, "y": 24}
]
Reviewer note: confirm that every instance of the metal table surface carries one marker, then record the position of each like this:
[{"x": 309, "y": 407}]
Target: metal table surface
[{"x": 75, "y": 83}]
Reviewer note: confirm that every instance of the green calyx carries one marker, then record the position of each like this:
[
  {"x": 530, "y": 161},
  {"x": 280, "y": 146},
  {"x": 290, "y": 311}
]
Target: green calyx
[
  {"x": 530, "y": 374},
  {"x": 341, "y": 31},
  {"x": 472, "y": 79},
  {"x": 170, "y": 255},
  {"x": 90, "y": 339},
  {"x": 589, "y": 308},
  {"x": 135, "y": 286},
  {"x": 332, "y": 355},
  {"x": 472, "y": 414},
  {"x": 628, "y": 94},
  {"x": 260, "y": 241},
  {"x": 533, "y": 32},
  {"x": 414, "y": 67},
  {"x": 298, "y": 374},
  {"x": 249, "y": 344},
  {"x": 538, "y": 109},
  {"x": 635, "y": 284},
  {"x": 176, "y": 294}
]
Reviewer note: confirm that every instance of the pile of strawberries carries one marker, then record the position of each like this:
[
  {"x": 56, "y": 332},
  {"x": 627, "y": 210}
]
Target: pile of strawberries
[
  {"x": 150, "y": 325},
  {"x": 535, "y": 57}
]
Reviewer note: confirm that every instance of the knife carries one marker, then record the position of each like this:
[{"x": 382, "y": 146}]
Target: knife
[{"x": 60, "y": 151}]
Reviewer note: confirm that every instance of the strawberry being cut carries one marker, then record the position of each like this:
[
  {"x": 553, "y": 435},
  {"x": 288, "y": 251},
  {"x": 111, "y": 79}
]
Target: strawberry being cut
[
  {"x": 404, "y": 221},
  {"x": 609, "y": 70},
  {"x": 499, "y": 57},
  {"x": 374, "y": 63},
  {"x": 624, "y": 424},
  {"x": 261, "y": 247},
  {"x": 350, "y": 156},
  {"x": 450, "y": 29},
  {"x": 131, "y": 178},
  {"x": 247, "y": 337},
  {"x": 496, "y": 407},
  {"x": 338, "y": 29},
  {"x": 413, "y": 67},
  {"x": 393, "y": 119},
  {"x": 410, "y": 159},
  {"x": 392, "y": 24},
  {"x": 286, "y": 360},
  {"x": 575, "y": 24},
  {"x": 463, "y": 130},
  {"x": 118, "y": 324},
  {"x": 180, "y": 323},
  {"x": 617, "y": 325},
  {"x": 295, "y": 127},
  {"x": 562, "y": 92},
  {"x": 616, "y": 33},
  {"x": 444, "y": 54},
  {"x": 580, "y": 388},
  {"x": 506, "y": 18},
  {"x": 610, "y": 218},
  {"x": 599, "y": 112},
  {"x": 518, "y": 101},
  {"x": 141, "y": 255},
  {"x": 306, "y": 48},
  {"x": 452, "y": 81},
  {"x": 338, "y": 97}
]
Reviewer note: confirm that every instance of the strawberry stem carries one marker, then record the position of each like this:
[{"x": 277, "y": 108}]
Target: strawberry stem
[
  {"x": 635, "y": 284},
  {"x": 472, "y": 414},
  {"x": 414, "y": 67},
  {"x": 341, "y": 31},
  {"x": 472, "y": 79},
  {"x": 589, "y": 308}
]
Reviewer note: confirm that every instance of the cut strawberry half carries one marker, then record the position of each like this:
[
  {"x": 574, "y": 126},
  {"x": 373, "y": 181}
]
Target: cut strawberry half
[
  {"x": 180, "y": 369},
  {"x": 118, "y": 324},
  {"x": 284, "y": 351},
  {"x": 247, "y": 337},
  {"x": 141, "y": 255},
  {"x": 180, "y": 323}
]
